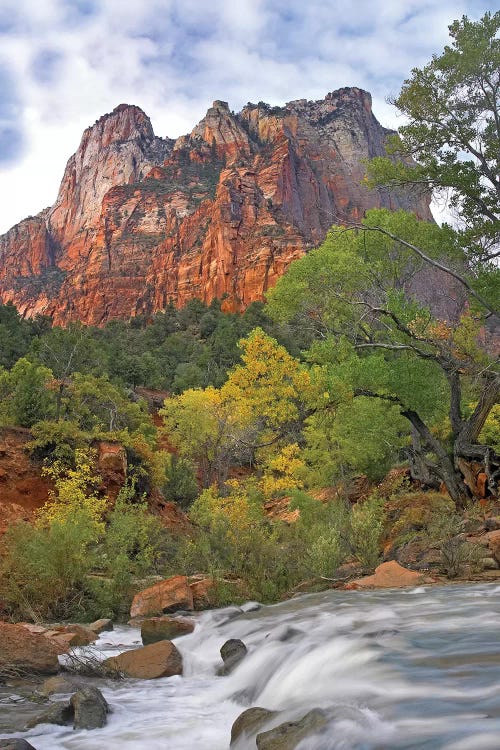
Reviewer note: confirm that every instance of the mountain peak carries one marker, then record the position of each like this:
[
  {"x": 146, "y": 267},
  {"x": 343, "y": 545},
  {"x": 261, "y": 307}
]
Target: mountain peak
[{"x": 221, "y": 214}]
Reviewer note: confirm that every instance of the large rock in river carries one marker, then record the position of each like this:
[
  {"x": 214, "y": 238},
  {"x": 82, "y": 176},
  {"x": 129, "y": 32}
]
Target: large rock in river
[
  {"x": 26, "y": 652},
  {"x": 232, "y": 652},
  {"x": 165, "y": 596},
  {"x": 89, "y": 708},
  {"x": 155, "y": 629},
  {"x": 160, "y": 659}
]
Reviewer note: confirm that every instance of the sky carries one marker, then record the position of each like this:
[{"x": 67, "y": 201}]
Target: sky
[{"x": 64, "y": 63}]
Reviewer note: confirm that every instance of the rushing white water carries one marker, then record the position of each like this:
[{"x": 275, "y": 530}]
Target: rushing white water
[{"x": 395, "y": 669}]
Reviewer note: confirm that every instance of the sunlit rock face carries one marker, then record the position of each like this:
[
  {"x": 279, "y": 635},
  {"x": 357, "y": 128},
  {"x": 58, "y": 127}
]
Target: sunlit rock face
[{"x": 221, "y": 212}]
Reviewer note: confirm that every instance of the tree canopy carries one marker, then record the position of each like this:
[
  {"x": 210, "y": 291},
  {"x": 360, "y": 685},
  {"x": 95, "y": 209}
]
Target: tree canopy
[{"x": 355, "y": 293}]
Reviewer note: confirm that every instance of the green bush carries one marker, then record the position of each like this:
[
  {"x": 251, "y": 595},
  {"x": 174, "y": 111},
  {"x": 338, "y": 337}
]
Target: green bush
[
  {"x": 130, "y": 549},
  {"x": 367, "y": 525},
  {"x": 57, "y": 441},
  {"x": 457, "y": 554},
  {"x": 44, "y": 569},
  {"x": 180, "y": 484},
  {"x": 59, "y": 571}
]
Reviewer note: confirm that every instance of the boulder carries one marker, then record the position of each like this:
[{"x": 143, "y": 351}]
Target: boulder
[
  {"x": 288, "y": 735},
  {"x": 15, "y": 744},
  {"x": 78, "y": 635},
  {"x": 388, "y": 575},
  {"x": 250, "y": 722},
  {"x": 90, "y": 708},
  {"x": 203, "y": 591},
  {"x": 61, "y": 641},
  {"x": 160, "y": 659},
  {"x": 156, "y": 629},
  {"x": 101, "y": 626},
  {"x": 25, "y": 651},
  {"x": 165, "y": 596},
  {"x": 59, "y": 713},
  {"x": 232, "y": 652}
]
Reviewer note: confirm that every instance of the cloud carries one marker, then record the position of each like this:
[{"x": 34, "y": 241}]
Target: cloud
[
  {"x": 11, "y": 135},
  {"x": 70, "y": 61}
]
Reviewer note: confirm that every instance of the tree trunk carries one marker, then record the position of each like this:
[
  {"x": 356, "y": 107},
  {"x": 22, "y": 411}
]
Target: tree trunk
[
  {"x": 419, "y": 468},
  {"x": 466, "y": 446},
  {"x": 444, "y": 467}
]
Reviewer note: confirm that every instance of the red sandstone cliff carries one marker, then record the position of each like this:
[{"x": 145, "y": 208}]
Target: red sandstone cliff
[{"x": 140, "y": 220}]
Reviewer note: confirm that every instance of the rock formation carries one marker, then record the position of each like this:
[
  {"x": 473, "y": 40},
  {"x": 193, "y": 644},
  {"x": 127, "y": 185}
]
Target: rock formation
[{"x": 221, "y": 212}]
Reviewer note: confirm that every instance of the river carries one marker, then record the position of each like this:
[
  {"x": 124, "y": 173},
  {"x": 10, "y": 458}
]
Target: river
[{"x": 417, "y": 668}]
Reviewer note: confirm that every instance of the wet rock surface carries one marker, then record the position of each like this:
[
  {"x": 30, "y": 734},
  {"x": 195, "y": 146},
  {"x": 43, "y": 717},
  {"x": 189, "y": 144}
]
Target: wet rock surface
[
  {"x": 160, "y": 659},
  {"x": 250, "y": 722},
  {"x": 232, "y": 652},
  {"x": 90, "y": 708},
  {"x": 289, "y": 735}
]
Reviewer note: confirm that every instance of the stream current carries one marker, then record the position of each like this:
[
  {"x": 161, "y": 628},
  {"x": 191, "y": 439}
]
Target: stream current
[{"x": 418, "y": 668}]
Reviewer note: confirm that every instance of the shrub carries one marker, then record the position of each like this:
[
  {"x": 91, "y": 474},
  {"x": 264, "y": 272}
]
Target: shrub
[
  {"x": 57, "y": 441},
  {"x": 457, "y": 554},
  {"x": 130, "y": 549},
  {"x": 75, "y": 490},
  {"x": 413, "y": 512},
  {"x": 367, "y": 524},
  {"x": 44, "y": 568},
  {"x": 180, "y": 484}
]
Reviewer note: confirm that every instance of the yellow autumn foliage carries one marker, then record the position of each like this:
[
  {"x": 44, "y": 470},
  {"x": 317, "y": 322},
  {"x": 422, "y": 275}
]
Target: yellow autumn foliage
[
  {"x": 75, "y": 491},
  {"x": 284, "y": 471}
]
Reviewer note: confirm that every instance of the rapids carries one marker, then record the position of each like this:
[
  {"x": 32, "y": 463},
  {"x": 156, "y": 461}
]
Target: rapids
[{"x": 406, "y": 669}]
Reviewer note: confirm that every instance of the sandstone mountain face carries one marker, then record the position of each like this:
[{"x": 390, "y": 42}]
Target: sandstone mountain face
[{"x": 221, "y": 212}]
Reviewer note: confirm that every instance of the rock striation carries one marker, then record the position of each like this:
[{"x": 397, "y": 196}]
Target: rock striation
[{"x": 220, "y": 213}]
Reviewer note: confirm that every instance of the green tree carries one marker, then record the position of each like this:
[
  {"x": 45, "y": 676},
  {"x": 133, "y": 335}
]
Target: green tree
[
  {"x": 15, "y": 335},
  {"x": 24, "y": 394},
  {"x": 353, "y": 292},
  {"x": 452, "y": 108},
  {"x": 96, "y": 404},
  {"x": 66, "y": 351}
]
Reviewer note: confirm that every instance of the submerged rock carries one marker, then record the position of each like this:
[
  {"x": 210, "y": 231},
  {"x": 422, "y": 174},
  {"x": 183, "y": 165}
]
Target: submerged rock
[
  {"x": 232, "y": 652},
  {"x": 89, "y": 708},
  {"x": 288, "y": 735},
  {"x": 160, "y": 659},
  {"x": 15, "y": 744}
]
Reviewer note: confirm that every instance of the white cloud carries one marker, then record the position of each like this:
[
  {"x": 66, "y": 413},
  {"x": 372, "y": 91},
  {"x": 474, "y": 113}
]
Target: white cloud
[{"x": 172, "y": 57}]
